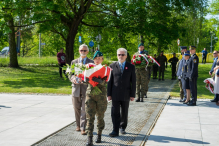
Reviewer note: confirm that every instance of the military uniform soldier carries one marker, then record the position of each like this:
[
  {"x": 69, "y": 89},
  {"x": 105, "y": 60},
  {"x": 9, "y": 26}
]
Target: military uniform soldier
[
  {"x": 96, "y": 104},
  {"x": 155, "y": 68},
  {"x": 193, "y": 75},
  {"x": 173, "y": 62},
  {"x": 148, "y": 75},
  {"x": 141, "y": 76},
  {"x": 179, "y": 72},
  {"x": 161, "y": 60}
]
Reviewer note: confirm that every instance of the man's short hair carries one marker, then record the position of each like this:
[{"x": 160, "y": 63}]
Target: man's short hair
[
  {"x": 122, "y": 49},
  {"x": 82, "y": 46}
]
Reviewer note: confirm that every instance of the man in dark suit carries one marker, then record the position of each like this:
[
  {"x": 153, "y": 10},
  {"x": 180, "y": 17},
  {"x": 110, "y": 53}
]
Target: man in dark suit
[
  {"x": 215, "y": 54},
  {"x": 121, "y": 89}
]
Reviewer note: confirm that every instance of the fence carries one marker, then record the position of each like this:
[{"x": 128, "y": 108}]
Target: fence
[{"x": 209, "y": 58}]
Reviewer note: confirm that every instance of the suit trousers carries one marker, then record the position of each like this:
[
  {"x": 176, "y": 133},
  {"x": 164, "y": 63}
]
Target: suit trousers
[
  {"x": 119, "y": 119},
  {"x": 193, "y": 89},
  {"x": 79, "y": 108},
  {"x": 161, "y": 71}
]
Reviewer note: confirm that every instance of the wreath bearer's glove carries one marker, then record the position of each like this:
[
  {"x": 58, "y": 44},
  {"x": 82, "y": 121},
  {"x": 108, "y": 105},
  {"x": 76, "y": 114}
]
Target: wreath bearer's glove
[{"x": 98, "y": 80}]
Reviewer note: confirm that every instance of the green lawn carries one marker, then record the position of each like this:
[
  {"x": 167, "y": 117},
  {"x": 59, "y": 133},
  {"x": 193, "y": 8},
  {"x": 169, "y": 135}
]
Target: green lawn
[
  {"x": 33, "y": 80},
  {"x": 202, "y": 91}
]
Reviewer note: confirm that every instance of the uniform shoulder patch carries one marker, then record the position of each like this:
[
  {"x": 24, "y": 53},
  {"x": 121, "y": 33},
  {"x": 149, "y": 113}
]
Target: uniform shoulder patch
[{"x": 195, "y": 60}]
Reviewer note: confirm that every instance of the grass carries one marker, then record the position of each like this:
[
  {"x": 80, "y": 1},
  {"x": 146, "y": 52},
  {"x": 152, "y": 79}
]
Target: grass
[
  {"x": 36, "y": 61},
  {"x": 33, "y": 80},
  {"x": 203, "y": 93}
]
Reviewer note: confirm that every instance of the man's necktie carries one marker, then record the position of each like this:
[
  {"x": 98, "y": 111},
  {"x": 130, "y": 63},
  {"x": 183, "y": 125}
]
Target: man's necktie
[
  {"x": 121, "y": 69},
  {"x": 82, "y": 61}
]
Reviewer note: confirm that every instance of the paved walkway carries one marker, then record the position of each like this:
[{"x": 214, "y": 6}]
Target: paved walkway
[
  {"x": 25, "y": 119},
  {"x": 181, "y": 125}
]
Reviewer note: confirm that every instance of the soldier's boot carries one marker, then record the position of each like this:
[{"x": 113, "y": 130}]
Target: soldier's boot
[
  {"x": 89, "y": 141},
  {"x": 138, "y": 98},
  {"x": 142, "y": 99},
  {"x": 145, "y": 96},
  {"x": 98, "y": 140}
]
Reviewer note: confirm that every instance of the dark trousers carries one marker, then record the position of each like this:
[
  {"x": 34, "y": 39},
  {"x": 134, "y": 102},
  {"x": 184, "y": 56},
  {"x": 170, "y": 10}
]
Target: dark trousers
[
  {"x": 173, "y": 72},
  {"x": 204, "y": 59},
  {"x": 155, "y": 69},
  {"x": 193, "y": 89},
  {"x": 119, "y": 119},
  {"x": 60, "y": 69},
  {"x": 161, "y": 71}
]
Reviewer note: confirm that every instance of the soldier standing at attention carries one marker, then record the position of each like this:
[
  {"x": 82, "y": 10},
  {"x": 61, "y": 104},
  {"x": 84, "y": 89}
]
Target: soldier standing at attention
[
  {"x": 173, "y": 62},
  {"x": 179, "y": 72},
  {"x": 161, "y": 60},
  {"x": 96, "y": 104},
  {"x": 155, "y": 68},
  {"x": 141, "y": 76},
  {"x": 193, "y": 75}
]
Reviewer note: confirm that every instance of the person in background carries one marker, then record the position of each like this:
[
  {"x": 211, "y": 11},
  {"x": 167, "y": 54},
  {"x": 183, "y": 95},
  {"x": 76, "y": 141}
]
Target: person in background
[
  {"x": 215, "y": 55},
  {"x": 193, "y": 75},
  {"x": 179, "y": 72},
  {"x": 204, "y": 55},
  {"x": 61, "y": 57},
  {"x": 79, "y": 91},
  {"x": 161, "y": 59},
  {"x": 216, "y": 90},
  {"x": 173, "y": 62},
  {"x": 155, "y": 68},
  {"x": 184, "y": 77}
]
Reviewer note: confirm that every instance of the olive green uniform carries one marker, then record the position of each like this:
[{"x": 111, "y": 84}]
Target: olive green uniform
[
  {"x": 95, "y": 105},
  {"x": 141, "y": 79},
  {"x": 148, "y": 77}
]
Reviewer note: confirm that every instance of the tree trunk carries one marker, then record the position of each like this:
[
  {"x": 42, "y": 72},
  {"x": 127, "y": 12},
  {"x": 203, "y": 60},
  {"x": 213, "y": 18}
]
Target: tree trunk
[
  {"x": 70, "y": 41},
  {"x": 12, "y": 44},
  {"x": 142, "y": 39},
  {"x": 158, "y": 48}
]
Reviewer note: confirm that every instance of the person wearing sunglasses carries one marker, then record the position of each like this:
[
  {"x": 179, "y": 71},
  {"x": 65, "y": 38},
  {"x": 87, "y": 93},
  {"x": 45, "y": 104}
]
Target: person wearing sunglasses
[
  {"x": 121, "y": 90},
  {"x": 142, "y": 76},
  {"x": 79, "y": 91},
  {"x": 215, "y": 54}
]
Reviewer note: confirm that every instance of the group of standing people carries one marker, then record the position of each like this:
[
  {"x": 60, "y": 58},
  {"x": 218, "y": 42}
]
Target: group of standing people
[
  {"x": 187, "y": 73},
  {"x": 120, "y": 89}
]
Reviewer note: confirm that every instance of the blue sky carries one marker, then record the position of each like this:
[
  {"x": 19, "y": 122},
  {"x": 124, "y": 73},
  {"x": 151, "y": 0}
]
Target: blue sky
[{"x": 210, "y": 16}]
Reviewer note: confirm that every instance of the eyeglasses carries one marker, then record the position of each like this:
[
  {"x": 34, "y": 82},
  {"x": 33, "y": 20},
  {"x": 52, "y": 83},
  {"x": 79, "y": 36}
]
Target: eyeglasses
[
  {"x": 214, "y": 53},
  {"x": 121, "y": 54},
  {"x": 83, "y": 50}
]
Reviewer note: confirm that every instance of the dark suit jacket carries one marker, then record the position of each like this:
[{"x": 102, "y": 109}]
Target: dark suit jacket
[
  {"x": 214, "y": 65},
  {"x": 122, "y": 87},
  {"x": 193, "y": 66}
]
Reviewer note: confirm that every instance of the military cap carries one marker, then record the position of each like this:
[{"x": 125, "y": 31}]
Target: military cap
[
  {"x": 141, "y": 44},
  {"x": 97, "y": 54},
  {"x": 187, "y": 53},
  {"x": 155, "y": 54},
  {"x": 192, "y": 47},
  {"x": 174, "y": 53},
  {"x": 183, "y": 47}
]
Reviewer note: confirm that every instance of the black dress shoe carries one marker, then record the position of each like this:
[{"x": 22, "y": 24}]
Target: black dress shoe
[
  {"x": 98, "y": 140},
  {"x": 113, "y": 134},
  {"x": 89, "y": 141},
  {"x": 191, "y": 104},
  {"x": 182, "y": 100},
  {"x": 213, "y": 100}
]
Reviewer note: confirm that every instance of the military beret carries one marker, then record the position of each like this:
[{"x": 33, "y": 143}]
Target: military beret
[
  {"x": 183, "y": 47},
  {"x": 155, "y": 55},
  {"x": 187, "y": 53},
  {"x": 192, "y": 47},
  {"x": 141, "y": 44},
  {"x": 97, "y": 54}
]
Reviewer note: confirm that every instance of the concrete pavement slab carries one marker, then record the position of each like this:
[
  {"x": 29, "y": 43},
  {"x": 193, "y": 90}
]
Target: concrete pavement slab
[{"x": 182, "y": 125}]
